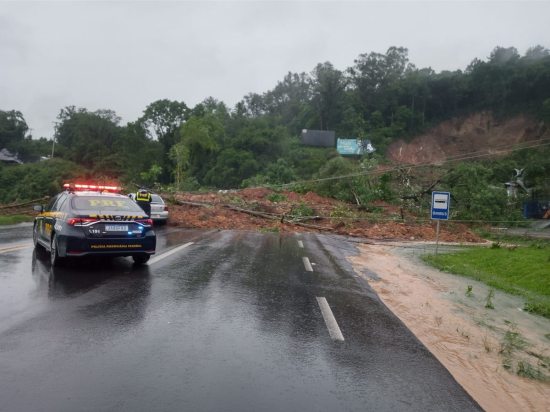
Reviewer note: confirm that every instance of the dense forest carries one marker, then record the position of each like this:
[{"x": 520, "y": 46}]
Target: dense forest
[{"x": 381, "y": 97}]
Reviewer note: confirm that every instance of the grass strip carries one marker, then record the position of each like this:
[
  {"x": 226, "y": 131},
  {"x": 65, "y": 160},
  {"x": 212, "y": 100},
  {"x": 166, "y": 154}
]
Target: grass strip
[
  {"x": 14, "y": 219},
  {"x": 522, "y": 270}
]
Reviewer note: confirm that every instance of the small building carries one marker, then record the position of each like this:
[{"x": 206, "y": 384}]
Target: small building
[
  {"x": 7, "y": 157},
  {"x": 319, "y": 138}
]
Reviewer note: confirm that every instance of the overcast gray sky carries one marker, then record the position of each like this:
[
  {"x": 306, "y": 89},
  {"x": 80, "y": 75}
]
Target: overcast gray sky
[{"x": 125, "y": 55}]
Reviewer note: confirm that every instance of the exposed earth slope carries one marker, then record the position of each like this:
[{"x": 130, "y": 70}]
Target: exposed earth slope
[{"x": 481, "y": 133}]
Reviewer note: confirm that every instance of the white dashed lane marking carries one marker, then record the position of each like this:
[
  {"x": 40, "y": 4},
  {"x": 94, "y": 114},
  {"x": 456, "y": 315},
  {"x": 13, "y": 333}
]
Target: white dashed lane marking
[
  {"x": 307, "y": 264},
  {"x": 169, "y": 253},
  {"x": 332, "y": 326},
  {"x": 301, "y": 244}
]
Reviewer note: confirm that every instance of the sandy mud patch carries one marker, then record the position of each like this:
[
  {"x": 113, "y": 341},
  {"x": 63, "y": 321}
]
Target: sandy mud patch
[{"x": 486, "y": 350}]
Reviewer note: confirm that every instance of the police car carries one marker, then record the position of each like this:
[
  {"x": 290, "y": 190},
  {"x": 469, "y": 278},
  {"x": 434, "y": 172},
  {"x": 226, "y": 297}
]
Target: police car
[{"x": 93, "y": 220}]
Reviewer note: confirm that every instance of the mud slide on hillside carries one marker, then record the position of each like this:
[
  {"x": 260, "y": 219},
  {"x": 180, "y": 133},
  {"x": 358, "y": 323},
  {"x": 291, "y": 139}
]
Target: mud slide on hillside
[{"x": 481, "y": 133}]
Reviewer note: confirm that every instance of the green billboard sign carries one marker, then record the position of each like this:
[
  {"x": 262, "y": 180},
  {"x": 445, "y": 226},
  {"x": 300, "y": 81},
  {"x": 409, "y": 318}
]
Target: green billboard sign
[{"x": 354, "y": 147}]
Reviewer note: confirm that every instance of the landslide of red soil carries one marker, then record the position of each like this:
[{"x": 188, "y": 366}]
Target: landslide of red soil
[
  {"x": 481, "y": 133},
  {"x": 207, "y": 211}
]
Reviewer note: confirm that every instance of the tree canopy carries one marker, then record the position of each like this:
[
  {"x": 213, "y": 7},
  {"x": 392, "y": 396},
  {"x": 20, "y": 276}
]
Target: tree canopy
[{"x": 381, "y": 97}]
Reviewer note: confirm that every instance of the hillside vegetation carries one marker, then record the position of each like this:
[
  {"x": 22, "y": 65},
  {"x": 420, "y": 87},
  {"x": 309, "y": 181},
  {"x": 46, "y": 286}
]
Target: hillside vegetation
[{"x": 402, "y": 109}]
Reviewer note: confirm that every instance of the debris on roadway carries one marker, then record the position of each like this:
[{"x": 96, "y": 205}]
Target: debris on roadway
[{"x": 286, "y": 211}]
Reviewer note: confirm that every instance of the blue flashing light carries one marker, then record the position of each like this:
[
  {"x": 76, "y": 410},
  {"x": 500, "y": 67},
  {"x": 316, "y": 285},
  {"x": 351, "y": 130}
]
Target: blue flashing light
[{"x": 129, "y": 233}]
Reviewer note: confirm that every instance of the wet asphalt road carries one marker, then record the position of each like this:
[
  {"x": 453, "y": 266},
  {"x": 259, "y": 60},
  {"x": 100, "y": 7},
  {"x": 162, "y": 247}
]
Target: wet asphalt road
[{"x": 229, "y": 323}]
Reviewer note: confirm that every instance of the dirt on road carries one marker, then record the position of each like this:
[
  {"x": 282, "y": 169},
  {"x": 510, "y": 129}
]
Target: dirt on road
[
  {"x": 490, "y": 353},
  {"x": 501, "y": 356},
  {"x": 286, "y": 211}
]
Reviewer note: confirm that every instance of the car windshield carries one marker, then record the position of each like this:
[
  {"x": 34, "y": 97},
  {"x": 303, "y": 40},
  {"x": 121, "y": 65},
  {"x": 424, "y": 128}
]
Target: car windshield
[
  {"x": 105, "y": 203},
  {"x": 156, "y": 199}
]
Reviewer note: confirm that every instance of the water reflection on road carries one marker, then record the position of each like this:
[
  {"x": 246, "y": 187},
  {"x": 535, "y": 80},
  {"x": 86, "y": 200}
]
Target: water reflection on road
[{"x": 229, "y": 323}]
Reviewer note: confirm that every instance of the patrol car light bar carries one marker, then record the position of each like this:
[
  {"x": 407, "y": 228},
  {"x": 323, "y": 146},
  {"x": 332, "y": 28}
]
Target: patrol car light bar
[{"x": 80, "y": 186}]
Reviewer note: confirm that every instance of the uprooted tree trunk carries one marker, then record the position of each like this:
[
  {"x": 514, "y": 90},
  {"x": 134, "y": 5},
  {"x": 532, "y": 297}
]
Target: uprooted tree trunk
[
  {"x": 263, "y": 215},
  {"x": 21, "y": 208}
]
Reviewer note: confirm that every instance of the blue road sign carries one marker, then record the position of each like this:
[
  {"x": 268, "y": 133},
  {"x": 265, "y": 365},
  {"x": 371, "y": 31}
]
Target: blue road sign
[{"x": 441, "y": 203}]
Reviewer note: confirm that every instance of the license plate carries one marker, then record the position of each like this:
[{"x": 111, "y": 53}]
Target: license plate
[{"x": 116, "y": 228}]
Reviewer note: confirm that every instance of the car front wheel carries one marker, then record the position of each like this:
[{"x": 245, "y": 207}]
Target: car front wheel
[{"x": 140, "y": 259}]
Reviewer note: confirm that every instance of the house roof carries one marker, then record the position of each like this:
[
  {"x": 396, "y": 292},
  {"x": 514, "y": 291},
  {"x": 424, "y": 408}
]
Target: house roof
[{"x": 7, "y": 157}]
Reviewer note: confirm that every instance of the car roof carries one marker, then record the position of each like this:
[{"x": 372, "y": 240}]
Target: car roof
[{"x": 96, "y": 193}]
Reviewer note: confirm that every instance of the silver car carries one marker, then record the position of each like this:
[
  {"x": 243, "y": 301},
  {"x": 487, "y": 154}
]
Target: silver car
[{"x": 159, "y": 209}]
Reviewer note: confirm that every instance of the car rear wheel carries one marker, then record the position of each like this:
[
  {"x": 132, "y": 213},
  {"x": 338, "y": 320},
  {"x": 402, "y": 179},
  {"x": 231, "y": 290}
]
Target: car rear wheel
[
  {"x": 140, "y": 259},
  {"x": 55, "y": 260}
]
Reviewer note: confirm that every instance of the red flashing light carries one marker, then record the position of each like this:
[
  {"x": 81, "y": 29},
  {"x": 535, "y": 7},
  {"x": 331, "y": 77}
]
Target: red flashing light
[{"x": 102, "y": 188}]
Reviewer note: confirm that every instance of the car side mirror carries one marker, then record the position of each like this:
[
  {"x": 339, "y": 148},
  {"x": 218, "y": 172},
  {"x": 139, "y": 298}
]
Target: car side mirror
[{"x": 38, "y": 208}]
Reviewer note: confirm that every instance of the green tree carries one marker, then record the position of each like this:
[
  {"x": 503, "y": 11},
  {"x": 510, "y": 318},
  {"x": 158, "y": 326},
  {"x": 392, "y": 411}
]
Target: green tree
[
  {"x": 504, "y": 55},
  {"x": 280, "y": 172},
  {"x": 211, "y": 107},
  {"x": 448, "y": 92},
  {"x": 374, "y": 75},
  {"x": 536, "y": 53},
  {"x": 202, "y": 138},
  {"x": 150, "y": 177},
  {"x": 180, "y": 156},
  {"x": 414, "y": 94},
  {"x": 288, "y": 103},
  {"x": 162, "y": 120},
  {"x": 137, "y": 152},
  {"x": 14, "y": 136},
  {"x": 476, "y": 197},
  {"x": 231, "y": 168},
  {"x": 90, "y": 139},
  {"x": 337, "y": 188},
  {"x": 13, "y": 128},
  {"x": 328, "y": 85},
  {"x": 265, "y": 141},
  {"x": 35, "y": 180},
  {"x": 31, "y": 150}
]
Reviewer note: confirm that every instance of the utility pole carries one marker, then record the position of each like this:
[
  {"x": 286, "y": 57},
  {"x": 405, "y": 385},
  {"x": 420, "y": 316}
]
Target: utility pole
[{"x": 53, "y": 146}]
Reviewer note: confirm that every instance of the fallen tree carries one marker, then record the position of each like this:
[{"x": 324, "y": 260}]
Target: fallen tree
[{"x": 270, "y": 216}]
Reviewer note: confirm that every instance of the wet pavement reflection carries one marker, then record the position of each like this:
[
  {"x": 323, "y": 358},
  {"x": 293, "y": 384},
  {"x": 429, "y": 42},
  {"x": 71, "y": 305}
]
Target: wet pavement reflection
[
  {"x": 15, "y": 233},
  {"x": 229, "y": 323}
]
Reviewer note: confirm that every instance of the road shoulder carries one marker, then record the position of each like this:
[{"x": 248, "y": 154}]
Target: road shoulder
[{"x": 471, "y": 341}]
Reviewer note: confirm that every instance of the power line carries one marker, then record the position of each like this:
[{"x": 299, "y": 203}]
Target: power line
[
  {"x": 413, "y": 166},
  {"x": 468, "y": 156}
]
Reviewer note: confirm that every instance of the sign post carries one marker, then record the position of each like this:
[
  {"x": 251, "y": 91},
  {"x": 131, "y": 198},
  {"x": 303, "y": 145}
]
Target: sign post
[{"x": 441, "y": 203}]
